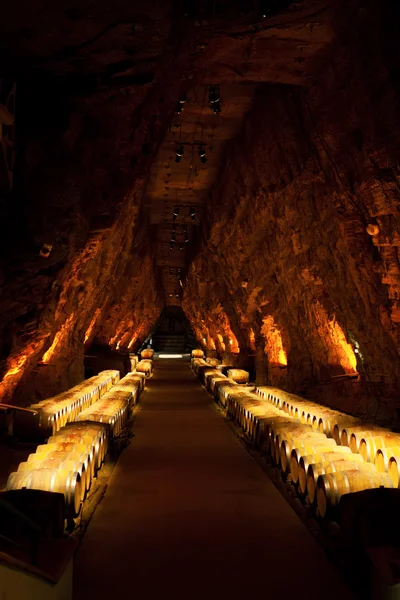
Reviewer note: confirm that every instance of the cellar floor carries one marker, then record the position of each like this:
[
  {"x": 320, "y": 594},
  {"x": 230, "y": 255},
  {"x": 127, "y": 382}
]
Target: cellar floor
[{"x": 189, "y": 514}]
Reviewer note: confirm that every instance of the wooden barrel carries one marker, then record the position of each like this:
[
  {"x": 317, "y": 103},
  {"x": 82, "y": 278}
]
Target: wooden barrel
[
  {"x": 369, "y": 446},
  {"x": 82, "y": 457},
  {"x": 332, "y": 486},
  {"x": 342, "y": 423},
  {"x": 57, "y": 444},
  {"x": 285, "y": 442},
  {"x": 383, "y": 456},
  {"x": 332, "y": 466},
  {"x": 147, "y": 353},
  {"x": 357, "y": 436},
  {"x": 337, "y": 453},
  {"x": 394, "y": 468},
  {"x": 300, "y": 460},
  {"x": 64, "y": 462},
  {"x": 92, "y": 439},
  {"x": 238, "y": 375},
  {"x": 91, "y": 429},
  {"x": 346, "y": 431},
  {"x": 48, "y": 480},
  {"x": 197, "y": 353},
  {"x": 302, "y": 447}
]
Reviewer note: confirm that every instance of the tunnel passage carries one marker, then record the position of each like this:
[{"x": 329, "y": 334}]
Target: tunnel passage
[
  {"x": 188, "y": 504},
  {"x": 221, "y": 176}
]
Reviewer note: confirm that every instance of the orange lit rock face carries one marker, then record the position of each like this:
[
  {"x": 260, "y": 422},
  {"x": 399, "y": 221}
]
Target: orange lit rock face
[
  {"x": 287, "y": 241},
  {"x": 286, "y": 272}
]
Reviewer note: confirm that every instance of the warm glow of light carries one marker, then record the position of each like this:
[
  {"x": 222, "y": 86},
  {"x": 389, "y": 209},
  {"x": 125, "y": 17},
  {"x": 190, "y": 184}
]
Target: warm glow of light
[
  {"x": 92, "y": 324},
  {"x": 17, "y": 365},
  {"x": 282, "y": 357},
  {"x": 170, "y": 356},
  {"x": 252, "y": 339},
  {"x": 273, "y": 342},
  {"x": 221, "y": 341},
  {"x": 230, "y": 341},
  {"x": 347, "y": 358},
  {"x": 204, "y": 340},
  {"x": 58, "y": 338},
  {"x": 133, "y": 340},
  {"x": 118, "y": 345}
]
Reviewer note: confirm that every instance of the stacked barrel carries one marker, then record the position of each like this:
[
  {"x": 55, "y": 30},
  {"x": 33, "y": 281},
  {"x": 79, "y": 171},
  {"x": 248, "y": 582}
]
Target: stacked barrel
[
  {"x": 326, "y": 451},
  {"x": 113, "y": 408},
  {"x": 76, "y": 450},
  {"x": 323, "y": 452},
  {"x": 55, "y": 412},
  {"x": 145, "y": 365}
]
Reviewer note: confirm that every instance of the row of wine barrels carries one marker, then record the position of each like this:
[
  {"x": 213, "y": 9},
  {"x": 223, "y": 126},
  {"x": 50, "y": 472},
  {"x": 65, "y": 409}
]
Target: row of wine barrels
[
  {"x": 57, "y": 480},
  {"x": 321, "y": 469},
  {"x": 147, "y": 353},
  {"x": 324, "y": 419},
  {"x": 112, "y": 409},
  {"x": 55, "y": 412},
  {"x": 72, "y": 456},
  {"x": 197, "y": 353}
]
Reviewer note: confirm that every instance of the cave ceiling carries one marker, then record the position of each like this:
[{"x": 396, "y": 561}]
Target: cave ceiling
[{"x": 272, "y": 226}]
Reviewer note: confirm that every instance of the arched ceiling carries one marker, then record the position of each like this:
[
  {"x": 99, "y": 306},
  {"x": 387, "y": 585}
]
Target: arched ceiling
[{"x": 185, "y": 185}]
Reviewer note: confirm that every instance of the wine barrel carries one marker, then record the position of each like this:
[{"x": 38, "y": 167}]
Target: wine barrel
[
  {"x": 332, "y": 466},
  {"x": 49, "y": 480},
  {"x": 238, "y": 375},
  {"x": 332, "y": 486},
  {"x": 147, "y": 353},
  {"x": 285, "y": 442},
  {"x": 63, "y": 462},
  {"x": 328, "y": 421},
  {"x": 222, "y": 392},
  {"x": 337, "y": 453},
  {"x": 383, "y": 456},
  {"x": 346, "y": 431},
  {"x": 369, "y": 446},
  {"x": 292, "y": 450},
  {"x": 197, "y": 353},
  {"x": 357, "y": 436},
  {"x": 91, "y": 429},
  {"x": 338, "y": 427},
  {"x": 81, "y": 437},
  {"x": 57, "y": 444},
  {"x": 394, "y": 468}
]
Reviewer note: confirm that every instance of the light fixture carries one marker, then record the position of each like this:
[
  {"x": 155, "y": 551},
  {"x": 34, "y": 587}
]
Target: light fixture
[
  {"x": 202, "y": 154},
  {"x": 171, "y": 245},
  {"x": 176, "y": 212},
  {"x": 180, "y": 247},
  {"x": 177, "y": 295},
  {"x": 179, "y": 153},
  {"x": 170, "y": 295}
]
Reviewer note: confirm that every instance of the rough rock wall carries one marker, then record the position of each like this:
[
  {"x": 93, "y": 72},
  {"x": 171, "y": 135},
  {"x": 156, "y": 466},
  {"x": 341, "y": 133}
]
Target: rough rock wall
[
  {"x": 85, "y": 144},
  {"x": 286, "y": 251}
]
